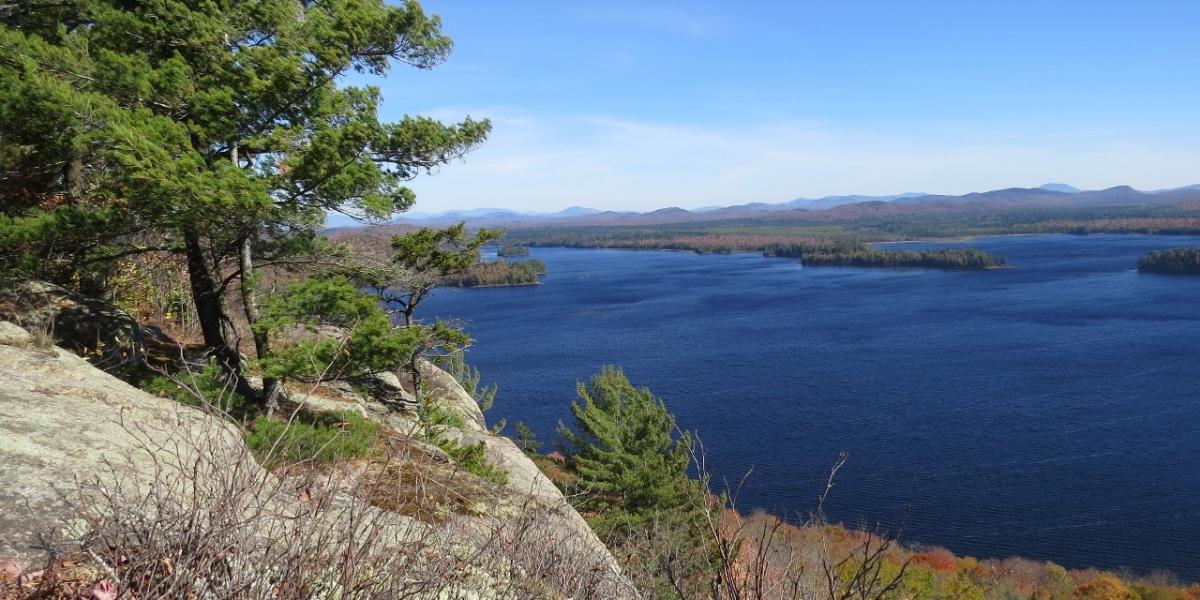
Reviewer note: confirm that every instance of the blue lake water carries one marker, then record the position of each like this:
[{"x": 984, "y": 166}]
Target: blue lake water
[{"x": 1050, "y": 410}]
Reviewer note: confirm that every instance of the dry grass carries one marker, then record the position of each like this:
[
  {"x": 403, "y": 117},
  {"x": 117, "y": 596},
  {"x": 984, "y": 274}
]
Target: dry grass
[
  {"x": 404, "y": 476},
  {"x": 41, "y": 333},
  {"x": 420, "y": 482},
  {"x": 205, "y": 521}
]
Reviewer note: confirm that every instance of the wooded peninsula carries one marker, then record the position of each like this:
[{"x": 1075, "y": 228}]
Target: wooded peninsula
[{"x": 811, "y": 252}]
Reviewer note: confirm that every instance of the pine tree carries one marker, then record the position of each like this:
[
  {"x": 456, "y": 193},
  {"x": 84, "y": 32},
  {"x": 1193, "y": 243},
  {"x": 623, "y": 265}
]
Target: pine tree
[
  {"x": 422, "y": 261},
  {"x": 526, "y": 439},
  {"x": 624, "y": 449},
  {"x": 219, "y": 131}
]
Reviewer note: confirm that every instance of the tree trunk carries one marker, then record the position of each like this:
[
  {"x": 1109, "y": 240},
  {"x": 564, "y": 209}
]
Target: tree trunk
[
  {"x": 73, "y": 178},
  {"x": 416, "y": 295},
  {"x": 249, "y": 299},
  {"x": 262, "y": 340},
  {"x": 210, "y": 313},
  {"x": 414, "y": 368}
]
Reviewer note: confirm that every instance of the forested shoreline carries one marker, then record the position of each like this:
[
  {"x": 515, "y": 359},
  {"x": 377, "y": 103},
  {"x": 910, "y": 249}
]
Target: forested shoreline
[
  {"x": 864, "y": 255},
  {"x": 820, "y": 252},
  {"x": 843, "y": 230},
  {"x": 1175, "y": 260},
  {"x": 845, "y": 236},
  {"x": 512, "y": 250}
]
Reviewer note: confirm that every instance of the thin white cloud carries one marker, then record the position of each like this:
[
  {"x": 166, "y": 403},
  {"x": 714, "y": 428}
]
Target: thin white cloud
[{"x": 547, "y": 162}]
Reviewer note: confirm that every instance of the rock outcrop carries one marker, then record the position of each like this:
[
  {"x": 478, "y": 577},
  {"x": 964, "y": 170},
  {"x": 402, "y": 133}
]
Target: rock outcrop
[
  {"x": 67, "y": 423},
  {"x": 440, "y": 387},
  {"x": 12, "y": 335},
  {"x": 527, "y": 487},
  {"x": 105, "y": 333}
]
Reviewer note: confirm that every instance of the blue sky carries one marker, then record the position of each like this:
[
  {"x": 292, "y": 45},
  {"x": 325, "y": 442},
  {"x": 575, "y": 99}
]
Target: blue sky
[{"x": 642, "y": 105}]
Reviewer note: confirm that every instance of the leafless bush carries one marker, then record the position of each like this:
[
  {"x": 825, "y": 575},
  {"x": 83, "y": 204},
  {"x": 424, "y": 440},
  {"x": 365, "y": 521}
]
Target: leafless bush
[
  {"x": 190, "y": 513},
  {"x": 731, "y": 556}
]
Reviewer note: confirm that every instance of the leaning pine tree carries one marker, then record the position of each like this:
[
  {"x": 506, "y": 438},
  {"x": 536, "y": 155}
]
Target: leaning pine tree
[{"x": 220, "y": 131}]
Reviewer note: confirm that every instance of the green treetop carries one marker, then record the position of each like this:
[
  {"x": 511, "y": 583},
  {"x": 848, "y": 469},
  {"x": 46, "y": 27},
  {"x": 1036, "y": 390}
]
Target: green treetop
[
  {"x": 218, "y": 131},
  {"x": 623, "y": 448}
]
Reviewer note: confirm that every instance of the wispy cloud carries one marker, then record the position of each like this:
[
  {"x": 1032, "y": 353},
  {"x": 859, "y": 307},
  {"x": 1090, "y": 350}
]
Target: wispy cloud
[{"x": 546, "y": 162}]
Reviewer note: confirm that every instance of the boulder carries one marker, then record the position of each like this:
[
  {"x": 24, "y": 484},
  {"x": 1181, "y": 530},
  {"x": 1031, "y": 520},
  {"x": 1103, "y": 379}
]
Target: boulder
[
  {"x": 386, "y": 389},
  {"x": 524, "y": 478},
  {"x": 441, "y": 387},
  {"x": 532, "y": 494},
  {"x": 527, "y": 489},
  {"x": 526, "y": 486},
  {"x": 66, "y": 422},
  {"x": 388, "y": 379},
  {"x": 86, "y": 326},
  {"x": 13, "y": 335},
  {"x": 319, "y": 403}
]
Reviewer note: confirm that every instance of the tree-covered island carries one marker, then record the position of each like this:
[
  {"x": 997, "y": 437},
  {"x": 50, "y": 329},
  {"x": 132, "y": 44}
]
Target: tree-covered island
[
  {"x": 499, "y": 273},
  {"x": 1173, "y": 260}
]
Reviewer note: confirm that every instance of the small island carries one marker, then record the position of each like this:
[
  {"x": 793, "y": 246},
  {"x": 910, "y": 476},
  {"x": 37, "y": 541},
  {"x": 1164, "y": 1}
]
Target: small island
[
  {"x": 499, "y": 273},
  {"x": 1174, "y": 260},
  {"x": 863, "y": 255},
  {"x": 512, "y": 250}
]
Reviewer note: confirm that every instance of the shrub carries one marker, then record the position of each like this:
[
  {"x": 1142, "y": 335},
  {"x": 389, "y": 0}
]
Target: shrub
[
  {"x": 371, "y": 343},
  {"x": 468, "y": 377},
  {"x": 206, "y": 387},
  {"x": 204, "y": 521},
  {"x": 473, "y": 459},
  {"x": 435, "y": 419},
  {"x": 312, "y": 438},
  {"x": 1106, "y": 587}
]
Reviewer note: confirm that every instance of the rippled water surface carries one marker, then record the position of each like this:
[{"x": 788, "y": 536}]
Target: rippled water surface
[{"x": 1051, "y": 409}]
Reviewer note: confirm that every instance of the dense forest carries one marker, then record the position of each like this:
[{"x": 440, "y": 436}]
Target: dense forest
[
  {"x": 512, "y": 250},
  {"x": 864, "y": 255},
  {"x": 498, "y": 273},
  {"x": 1175, "y": 260}
]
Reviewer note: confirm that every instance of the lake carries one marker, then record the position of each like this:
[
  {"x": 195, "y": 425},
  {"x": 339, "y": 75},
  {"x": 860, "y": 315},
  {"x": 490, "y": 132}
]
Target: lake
[{"x": 1050, "y": 410}]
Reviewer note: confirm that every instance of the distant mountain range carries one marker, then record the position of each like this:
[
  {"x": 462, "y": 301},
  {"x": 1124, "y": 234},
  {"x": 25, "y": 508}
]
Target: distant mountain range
[{"x": 1049, "y": 195}]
